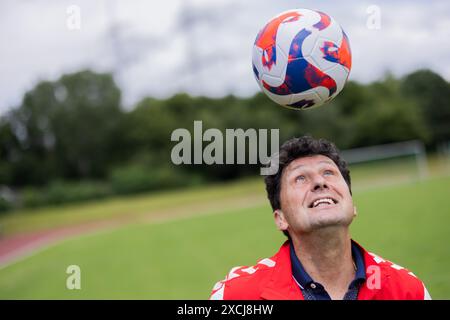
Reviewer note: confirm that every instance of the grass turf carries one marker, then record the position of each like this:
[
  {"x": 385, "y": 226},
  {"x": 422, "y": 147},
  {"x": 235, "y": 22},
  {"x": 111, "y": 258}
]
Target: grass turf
[{"x": 182, "y": 259}]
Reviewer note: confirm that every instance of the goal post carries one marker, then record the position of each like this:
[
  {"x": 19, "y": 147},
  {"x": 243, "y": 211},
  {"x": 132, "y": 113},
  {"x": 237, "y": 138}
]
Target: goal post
[{"x": 413, "y": 148}]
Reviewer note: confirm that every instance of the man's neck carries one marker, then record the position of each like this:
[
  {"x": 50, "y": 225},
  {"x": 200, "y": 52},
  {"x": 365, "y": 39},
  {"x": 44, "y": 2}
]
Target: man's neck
[{"x": 326, "y": 256}]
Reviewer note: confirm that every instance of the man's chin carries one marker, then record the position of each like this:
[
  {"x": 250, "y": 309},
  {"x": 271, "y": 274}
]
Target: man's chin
[{"x": 330, "y": 222}]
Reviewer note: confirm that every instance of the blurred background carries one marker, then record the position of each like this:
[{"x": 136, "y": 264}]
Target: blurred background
[{"x": 90, "y": 92}]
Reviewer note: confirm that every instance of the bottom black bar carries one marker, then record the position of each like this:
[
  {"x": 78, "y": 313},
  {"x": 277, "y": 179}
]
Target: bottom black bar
[{"x": 197, "y": 309}]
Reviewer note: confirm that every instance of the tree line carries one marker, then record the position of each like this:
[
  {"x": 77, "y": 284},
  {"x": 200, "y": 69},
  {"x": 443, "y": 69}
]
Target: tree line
[{"x": 71, "y": 139}]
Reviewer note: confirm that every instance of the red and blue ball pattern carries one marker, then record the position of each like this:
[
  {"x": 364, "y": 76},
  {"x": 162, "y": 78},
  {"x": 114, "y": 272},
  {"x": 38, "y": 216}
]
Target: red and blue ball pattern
[{"x": 303, "y": 73}]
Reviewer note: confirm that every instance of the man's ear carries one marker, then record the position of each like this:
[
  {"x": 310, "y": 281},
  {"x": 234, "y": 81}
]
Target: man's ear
[
  {"x": 280, "y": 220},
  {"x": 355, "y": 212}
]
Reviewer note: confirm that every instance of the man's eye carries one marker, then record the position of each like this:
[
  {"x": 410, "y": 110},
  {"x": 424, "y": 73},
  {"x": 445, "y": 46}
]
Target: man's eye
[
  {"x": 300, "y": 178},
  {"x": 328, "y": 172}
]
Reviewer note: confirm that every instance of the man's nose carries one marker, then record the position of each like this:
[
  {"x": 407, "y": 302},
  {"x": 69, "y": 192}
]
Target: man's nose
[{"x": 319, "y": 183}]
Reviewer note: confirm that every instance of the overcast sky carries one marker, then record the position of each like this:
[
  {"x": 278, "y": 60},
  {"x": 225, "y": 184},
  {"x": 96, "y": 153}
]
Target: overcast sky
[{"x": 158, "y": 48}]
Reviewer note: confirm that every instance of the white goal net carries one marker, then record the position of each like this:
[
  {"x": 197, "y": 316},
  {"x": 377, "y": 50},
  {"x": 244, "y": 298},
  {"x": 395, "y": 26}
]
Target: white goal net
[{"x": 388, "y": 163}]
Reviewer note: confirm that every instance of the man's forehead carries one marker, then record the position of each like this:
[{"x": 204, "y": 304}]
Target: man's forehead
[{"x": 309, "y": 161}]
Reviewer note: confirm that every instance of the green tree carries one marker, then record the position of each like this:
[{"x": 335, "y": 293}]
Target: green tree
[
  {"x": 8, "y": 146},
  {"x": 65, "y": 128},
  {"x": 387, "y": 116},
  {"x": 432, "y": 94}
]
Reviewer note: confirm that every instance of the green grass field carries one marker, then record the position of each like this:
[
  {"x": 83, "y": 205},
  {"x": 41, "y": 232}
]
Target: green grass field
[{"x": 182, "y": 258}]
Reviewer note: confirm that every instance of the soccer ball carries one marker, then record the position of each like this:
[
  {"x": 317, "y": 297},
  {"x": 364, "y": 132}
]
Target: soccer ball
[{"x": 301, "y": 58}]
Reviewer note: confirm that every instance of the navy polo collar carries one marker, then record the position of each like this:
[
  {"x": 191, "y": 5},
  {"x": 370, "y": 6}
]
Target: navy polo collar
[{"x": 304, "y": 279}]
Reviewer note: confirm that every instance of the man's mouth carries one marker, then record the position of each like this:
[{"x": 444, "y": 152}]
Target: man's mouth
[{"x": 324, "y": 201}]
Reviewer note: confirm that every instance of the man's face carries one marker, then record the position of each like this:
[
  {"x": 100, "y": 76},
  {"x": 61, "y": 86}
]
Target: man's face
[{"x": 313, "y": 195}]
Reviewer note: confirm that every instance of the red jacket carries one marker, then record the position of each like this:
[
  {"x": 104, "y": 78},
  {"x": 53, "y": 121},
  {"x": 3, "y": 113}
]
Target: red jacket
[{"x": 271, "y": 279}]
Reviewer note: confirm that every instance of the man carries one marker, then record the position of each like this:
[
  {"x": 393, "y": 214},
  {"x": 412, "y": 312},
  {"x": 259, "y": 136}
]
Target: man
[{"x": 312, "y": 204}]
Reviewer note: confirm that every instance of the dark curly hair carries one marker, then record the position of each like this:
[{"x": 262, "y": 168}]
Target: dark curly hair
[{"x": 297, "y": 148}]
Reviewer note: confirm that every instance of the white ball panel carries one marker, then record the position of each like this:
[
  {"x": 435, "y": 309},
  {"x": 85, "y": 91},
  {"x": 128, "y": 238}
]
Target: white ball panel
[
  {"x": 332, "y": 32},
  {"x": 273, "y": 81},
  {"x": 288, "y": 30},
  {"x": 323, "y": 93},
  {"x": 318, "y": 56},
  {"x": 277, "y": 69},
  {"x": 339, "y": 74},
  {"x": 256, "y": 60},
  {"x": 310, "y": 94},
  {"x": 283, "y": 100}
]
